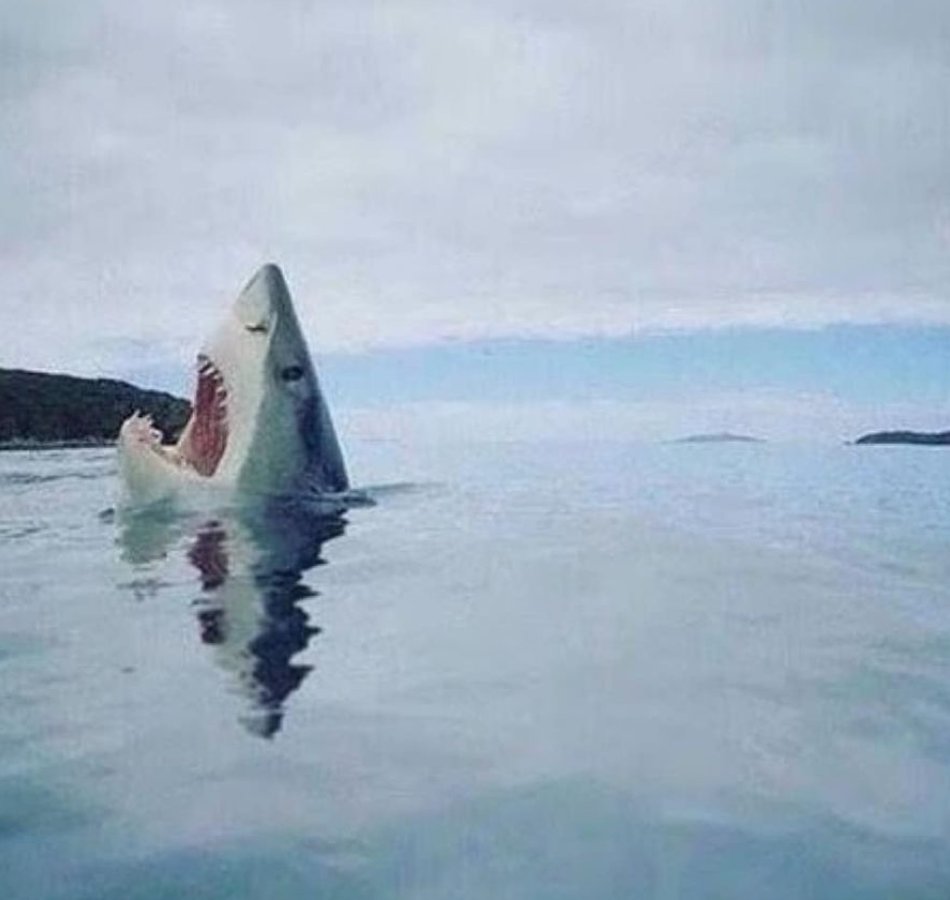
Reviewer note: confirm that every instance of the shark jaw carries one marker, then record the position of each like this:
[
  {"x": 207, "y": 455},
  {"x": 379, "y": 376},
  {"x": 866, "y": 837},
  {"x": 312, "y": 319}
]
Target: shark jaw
[
  {"x": 260, "y": 424},
  {"x": 206, "y": 438}
]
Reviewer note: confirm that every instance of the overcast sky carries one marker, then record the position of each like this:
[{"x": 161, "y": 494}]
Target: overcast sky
[{"x": 432, "y": 170}]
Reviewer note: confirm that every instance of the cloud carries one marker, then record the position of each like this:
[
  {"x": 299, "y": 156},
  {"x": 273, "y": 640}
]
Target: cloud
[{"x": 430, "y": 170}]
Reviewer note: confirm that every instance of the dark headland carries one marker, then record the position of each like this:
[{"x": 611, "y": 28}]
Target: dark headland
[
  {"x": 40, "y": 409},
  {"x": 926, "y": 438}
]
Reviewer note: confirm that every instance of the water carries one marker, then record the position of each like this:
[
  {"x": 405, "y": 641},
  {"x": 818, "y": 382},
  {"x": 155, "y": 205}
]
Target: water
[{"x": 547, "y": 671}]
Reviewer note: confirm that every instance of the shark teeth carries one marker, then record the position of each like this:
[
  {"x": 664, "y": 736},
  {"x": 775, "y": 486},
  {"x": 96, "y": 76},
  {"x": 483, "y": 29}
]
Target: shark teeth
[
  {"x": 206, "y": 435},
  {"x": 142, "y": 428}
]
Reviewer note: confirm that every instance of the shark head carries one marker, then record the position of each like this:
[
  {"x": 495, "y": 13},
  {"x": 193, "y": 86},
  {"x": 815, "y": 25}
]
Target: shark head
[{"x": 260, "y": 421}]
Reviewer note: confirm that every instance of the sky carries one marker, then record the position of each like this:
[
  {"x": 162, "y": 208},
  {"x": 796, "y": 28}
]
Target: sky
[{"x": 618, "y": 217}]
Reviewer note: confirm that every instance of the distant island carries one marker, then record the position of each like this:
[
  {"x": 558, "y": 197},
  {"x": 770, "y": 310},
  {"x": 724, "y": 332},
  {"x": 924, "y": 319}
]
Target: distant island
[
  {"x": 930, "y": 439},
  {"x": 722, "y": 437},
  {"x": 40, "y": 409}
]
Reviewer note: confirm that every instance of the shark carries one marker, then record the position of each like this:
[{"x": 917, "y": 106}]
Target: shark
[{"x": 260, "y": 425}]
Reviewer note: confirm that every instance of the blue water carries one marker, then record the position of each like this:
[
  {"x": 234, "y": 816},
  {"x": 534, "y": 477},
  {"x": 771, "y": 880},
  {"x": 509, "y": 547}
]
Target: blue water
[{"x": 546, "y": 671}]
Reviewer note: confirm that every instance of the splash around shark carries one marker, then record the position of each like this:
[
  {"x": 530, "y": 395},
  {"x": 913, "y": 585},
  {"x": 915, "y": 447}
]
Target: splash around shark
[{"x": 260, "y": 426}]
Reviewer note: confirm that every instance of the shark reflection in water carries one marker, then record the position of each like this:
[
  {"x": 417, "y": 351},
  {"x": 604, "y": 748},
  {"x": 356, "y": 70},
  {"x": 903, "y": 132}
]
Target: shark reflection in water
[
  {"x": 250, "y": 564},
  {"x": 252, "y": 586}
]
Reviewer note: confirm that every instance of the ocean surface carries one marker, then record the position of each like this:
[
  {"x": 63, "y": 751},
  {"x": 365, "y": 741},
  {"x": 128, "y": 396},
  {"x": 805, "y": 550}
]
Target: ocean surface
[{"x": 530, "y": 671}]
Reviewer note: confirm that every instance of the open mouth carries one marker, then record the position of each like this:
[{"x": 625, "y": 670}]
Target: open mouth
[{"x": 206, "y": 436}]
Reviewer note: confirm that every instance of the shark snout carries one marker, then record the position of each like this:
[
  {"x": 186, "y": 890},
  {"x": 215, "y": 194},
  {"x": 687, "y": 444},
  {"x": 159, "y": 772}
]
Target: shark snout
[
  {"x": 270, "y": 278},
  {"x": 262, "y": 299}
]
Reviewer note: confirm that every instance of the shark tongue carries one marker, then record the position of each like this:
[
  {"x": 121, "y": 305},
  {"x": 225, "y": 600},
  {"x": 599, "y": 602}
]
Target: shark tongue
[{"x": 207, "y": 434}]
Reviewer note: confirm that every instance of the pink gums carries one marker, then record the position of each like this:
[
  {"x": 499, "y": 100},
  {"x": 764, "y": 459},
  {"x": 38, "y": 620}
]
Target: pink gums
[{"x": 206, "y": 437}]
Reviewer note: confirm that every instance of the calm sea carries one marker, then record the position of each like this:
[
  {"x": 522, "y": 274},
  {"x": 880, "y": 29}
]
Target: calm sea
[{"x": 545, "y": 671}]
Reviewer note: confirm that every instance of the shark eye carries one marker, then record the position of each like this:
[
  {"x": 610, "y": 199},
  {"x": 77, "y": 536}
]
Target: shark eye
[{"x": 291, "y": 373}]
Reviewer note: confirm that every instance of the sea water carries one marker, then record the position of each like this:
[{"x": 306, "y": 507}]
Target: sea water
[{"x": 530, "y": 671}]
